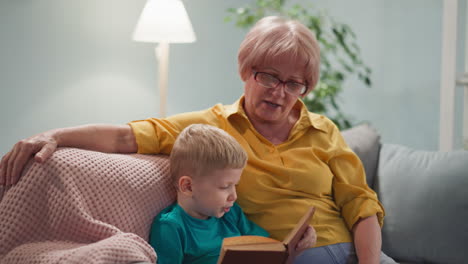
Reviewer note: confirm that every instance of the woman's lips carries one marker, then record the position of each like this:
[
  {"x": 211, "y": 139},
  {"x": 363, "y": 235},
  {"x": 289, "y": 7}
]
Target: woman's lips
[{"x": 271, "y": 104}]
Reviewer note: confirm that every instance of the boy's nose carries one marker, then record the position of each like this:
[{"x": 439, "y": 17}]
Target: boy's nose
[{"x": 232, "y": 196}]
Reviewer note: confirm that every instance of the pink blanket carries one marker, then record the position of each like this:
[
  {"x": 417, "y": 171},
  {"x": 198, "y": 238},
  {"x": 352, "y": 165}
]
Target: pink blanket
[{"x": 84, "y": 207}]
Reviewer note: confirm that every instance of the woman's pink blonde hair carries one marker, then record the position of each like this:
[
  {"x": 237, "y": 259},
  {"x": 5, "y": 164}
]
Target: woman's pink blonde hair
[{"x": 275, "y": 36}]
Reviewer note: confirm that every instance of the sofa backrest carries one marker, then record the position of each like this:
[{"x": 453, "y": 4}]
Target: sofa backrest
[
  {"x": 425, "y": 196},
  {"x": 365, "y": 142}
]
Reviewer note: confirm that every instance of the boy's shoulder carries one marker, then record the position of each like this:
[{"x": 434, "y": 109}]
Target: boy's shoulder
[
  {"x": 173, "y": 215},
  {"x": 169, "y": 215}
]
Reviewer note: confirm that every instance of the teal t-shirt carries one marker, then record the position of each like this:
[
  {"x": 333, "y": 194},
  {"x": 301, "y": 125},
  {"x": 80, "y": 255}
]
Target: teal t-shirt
[{"x": 180, "y": 238}]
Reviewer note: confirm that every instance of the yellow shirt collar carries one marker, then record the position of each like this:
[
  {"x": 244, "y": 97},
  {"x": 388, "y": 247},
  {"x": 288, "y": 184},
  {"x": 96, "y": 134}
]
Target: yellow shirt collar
[{"x": 306, "y": 118}]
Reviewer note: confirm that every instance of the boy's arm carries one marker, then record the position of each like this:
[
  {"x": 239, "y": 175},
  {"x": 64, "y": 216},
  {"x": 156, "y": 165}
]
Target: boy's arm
[
  {"x": 165, "y": 238},
  {"x": 246, "y": 226}
]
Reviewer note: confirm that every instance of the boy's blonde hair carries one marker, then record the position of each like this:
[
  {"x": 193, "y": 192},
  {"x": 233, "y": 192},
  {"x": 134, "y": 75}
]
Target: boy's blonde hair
[
  {"x": 275, "y": 36},
  {"x": 200, "y": 149}
]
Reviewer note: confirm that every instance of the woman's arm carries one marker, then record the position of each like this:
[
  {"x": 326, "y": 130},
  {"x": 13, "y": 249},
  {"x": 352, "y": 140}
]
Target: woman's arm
[
  {"x": 104, "y": 138},
  {"x": 367, "y": 240}
]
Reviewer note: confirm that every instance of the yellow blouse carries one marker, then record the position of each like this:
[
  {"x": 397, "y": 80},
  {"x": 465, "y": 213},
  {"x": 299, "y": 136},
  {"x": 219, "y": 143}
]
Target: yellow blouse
[{"x": 314, "y": 167}]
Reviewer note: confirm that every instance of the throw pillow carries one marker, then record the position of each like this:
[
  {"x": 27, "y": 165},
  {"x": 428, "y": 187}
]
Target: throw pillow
[{"x": 426, "y": 201}]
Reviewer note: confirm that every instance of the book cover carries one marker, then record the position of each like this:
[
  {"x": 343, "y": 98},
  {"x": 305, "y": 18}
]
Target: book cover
[{"x": 258, "y": 249}]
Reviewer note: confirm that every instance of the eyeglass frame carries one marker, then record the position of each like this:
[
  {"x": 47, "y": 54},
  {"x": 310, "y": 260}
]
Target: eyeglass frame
[{"x": 284, "y": 83}]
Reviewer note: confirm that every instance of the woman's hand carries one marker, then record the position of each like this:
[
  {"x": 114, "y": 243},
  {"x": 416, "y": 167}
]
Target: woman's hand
[
  {"x": 308, "y": 239},
  {"x": 41, "y": 146}
]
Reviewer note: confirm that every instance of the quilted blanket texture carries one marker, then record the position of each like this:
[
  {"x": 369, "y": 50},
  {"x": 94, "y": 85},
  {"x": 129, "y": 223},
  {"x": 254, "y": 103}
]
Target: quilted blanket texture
[{"x": 84, "y": 207}]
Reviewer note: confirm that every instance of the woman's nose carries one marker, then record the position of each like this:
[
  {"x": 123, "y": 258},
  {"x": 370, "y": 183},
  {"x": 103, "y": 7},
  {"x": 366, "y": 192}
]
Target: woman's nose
[{"x": 279, "y": 90}]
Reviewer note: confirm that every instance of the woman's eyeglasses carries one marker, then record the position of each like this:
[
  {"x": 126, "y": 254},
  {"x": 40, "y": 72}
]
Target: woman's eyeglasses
[{"x": 270, "y": 81}]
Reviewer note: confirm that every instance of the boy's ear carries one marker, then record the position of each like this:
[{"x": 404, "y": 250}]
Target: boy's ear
[{"x": 185, "y": 185}]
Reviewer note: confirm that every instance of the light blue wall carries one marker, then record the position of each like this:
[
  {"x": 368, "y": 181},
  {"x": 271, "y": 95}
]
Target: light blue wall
[
  {"x": 65, "y": 63},
  {"x": 401, "y": 41},
  {"x": 459, "y": 93}
]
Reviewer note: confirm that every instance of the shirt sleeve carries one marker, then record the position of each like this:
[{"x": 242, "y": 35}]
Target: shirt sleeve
[
  {"x": 351, "y": 192},
  {"x": 246, "y": 226},
  {"x": 166, "y": 239},
  {"x": 154, "y": 135}
]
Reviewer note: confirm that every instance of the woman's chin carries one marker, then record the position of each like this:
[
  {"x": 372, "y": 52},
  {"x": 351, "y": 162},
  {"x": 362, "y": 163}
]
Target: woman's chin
[{"x": 269, "y": 116}]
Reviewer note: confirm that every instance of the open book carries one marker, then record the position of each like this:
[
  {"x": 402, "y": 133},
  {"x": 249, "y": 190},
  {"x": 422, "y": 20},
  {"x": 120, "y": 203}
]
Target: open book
[{"x": 258, "y": 249}]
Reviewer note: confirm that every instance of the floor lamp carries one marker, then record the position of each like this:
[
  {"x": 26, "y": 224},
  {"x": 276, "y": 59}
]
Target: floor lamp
[{"x": 163, "y": 22}]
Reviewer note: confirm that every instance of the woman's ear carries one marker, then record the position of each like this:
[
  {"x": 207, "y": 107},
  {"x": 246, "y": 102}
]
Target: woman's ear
[
  {"x": 304, "y": 95},
  {"x": 307, "y": 92},
  {"x": 185, "y": 185}
]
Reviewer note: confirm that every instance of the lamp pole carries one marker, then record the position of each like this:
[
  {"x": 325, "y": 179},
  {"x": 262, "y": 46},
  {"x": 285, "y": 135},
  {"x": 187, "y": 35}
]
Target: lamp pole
[
  {"x": 163, "y": 22},
  {"x": 162, "y": 55}
]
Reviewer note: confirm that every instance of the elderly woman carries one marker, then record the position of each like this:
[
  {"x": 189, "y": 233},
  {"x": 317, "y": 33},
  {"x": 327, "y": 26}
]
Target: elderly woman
[{"x": 297, "y": 159}]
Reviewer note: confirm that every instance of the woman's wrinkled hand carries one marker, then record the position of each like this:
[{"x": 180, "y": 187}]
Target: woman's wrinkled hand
[
  {"x": 308, "y": 239},
  {"x": 42, "y": 146}
]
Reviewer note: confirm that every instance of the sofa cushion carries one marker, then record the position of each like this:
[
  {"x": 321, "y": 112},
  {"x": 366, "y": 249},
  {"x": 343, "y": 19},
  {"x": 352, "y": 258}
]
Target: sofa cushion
[
  {"x": 365, "y": 142},
  {"x": 426, "y": 201}
]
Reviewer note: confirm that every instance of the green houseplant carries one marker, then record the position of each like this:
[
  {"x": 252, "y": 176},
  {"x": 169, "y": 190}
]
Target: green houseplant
[{"x": 340, "y": 54}]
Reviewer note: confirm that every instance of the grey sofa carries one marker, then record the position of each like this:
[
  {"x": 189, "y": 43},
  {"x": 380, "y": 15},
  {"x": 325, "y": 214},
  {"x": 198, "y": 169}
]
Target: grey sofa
[{"x": 425, "y": 195}]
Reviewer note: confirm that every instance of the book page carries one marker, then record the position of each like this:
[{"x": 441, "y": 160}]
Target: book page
[
  {"x": 258, "y": 247},
  {"x": 240, "y": 240}
]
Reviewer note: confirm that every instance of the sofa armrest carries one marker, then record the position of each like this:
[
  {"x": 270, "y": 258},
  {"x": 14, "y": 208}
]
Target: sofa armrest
[{"x": 78, "y": 198}]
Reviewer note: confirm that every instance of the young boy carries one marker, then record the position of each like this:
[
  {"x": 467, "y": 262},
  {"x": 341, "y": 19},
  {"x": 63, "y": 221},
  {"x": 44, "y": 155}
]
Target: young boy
[{"x": 206, "y": 165}]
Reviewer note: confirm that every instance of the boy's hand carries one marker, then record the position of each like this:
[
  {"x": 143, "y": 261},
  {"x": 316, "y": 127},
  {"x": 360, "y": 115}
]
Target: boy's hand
[{"x": 308, "y": 239}]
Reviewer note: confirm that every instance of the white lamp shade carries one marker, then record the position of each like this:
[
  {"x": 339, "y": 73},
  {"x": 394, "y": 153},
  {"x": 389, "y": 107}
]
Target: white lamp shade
[{"x": 164, "y": 21}]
